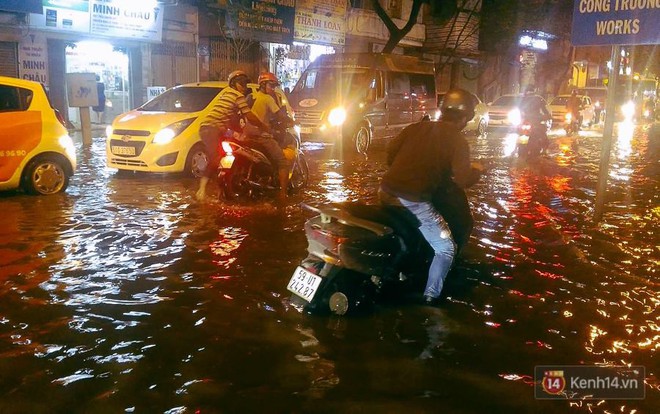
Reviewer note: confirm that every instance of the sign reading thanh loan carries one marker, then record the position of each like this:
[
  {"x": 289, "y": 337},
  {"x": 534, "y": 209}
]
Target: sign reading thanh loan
[{"x": 616, "y": 22}]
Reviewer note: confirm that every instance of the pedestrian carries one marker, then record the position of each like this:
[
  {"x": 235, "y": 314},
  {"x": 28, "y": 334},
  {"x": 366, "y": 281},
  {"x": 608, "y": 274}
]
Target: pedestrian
[
  {"x": 422, "y": 159},
  {"x": 267, "y": 109},
  {"x": 229, "y": 113},
  {"x": 100, "y": 108}
]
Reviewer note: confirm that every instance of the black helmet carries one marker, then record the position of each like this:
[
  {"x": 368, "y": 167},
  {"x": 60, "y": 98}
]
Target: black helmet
[
  {"x": 238, "y": 76},
  {"x": 458, "y": 101}
]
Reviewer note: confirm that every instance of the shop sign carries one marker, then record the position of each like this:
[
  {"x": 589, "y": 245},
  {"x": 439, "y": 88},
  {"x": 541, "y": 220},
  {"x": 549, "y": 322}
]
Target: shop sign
[
  {"x": 23, "y": 6},
  {"x": 615, "y": 22},
  {"x": 321, "y": 22},
  {"x": 33, "y": 58},
  {"x": 109, "y": 18},
  {"x": 133, "y": 20},
  {"x": 261, "y": 20},
  {"x": 154, "y": 91},
  {"x": 70, "y": 16}
]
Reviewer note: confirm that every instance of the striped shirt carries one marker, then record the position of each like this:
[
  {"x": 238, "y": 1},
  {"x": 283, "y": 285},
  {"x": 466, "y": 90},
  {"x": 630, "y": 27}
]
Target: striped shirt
[{"x": 227, "y": 105}]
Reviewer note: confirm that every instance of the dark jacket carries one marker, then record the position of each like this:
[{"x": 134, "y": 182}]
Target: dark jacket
[{"x": 423, "y": 157}]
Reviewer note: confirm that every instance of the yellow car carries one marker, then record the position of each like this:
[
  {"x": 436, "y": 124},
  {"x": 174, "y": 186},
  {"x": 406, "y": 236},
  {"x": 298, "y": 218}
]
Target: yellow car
[
  {"x": 36, "y": 152},
  {"x": 163, "y": 134}
]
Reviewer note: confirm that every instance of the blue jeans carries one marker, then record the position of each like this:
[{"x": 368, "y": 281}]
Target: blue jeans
[{"x": 436, "y": 232}]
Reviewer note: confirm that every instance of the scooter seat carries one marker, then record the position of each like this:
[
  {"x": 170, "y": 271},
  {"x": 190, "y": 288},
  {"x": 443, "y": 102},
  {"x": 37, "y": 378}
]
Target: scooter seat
[{"x": 402, "y": 221}]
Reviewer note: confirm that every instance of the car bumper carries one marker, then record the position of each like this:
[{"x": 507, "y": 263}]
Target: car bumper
[{"x": 150, "y": 158}]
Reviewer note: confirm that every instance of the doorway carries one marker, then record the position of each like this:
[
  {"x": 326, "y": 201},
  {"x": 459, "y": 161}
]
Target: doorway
[{"x": 111, "y": 65}]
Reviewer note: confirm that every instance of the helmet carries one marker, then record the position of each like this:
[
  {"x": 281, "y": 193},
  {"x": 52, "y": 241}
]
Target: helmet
[
  {"x": 458, "y": 101},
  {"x": 237, "y": 76},
  {"x": 268, "y": 77}
]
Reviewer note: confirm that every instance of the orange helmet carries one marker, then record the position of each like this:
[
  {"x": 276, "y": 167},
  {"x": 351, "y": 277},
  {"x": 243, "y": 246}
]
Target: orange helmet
[{"x": 268, "y": 77}]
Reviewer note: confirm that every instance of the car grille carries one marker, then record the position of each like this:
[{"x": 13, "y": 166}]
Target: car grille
[
  {"x": 312, "y": 118},
  {"x": 127, "y": 162},
  {"x": 131, "y": 132}
]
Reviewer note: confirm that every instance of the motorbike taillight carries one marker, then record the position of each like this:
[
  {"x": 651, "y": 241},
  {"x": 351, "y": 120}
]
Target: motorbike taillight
[
  {"x": 525, "y": 128},
  {"x": 329, "y": 240}
]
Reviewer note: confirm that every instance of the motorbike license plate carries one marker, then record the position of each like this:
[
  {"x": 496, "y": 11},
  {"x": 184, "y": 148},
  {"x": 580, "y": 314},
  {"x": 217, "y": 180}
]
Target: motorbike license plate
[
  {"x": 123, "y": 150},
  {"x": 305, "y": 130},
  {"x": 304, "y": 284}
]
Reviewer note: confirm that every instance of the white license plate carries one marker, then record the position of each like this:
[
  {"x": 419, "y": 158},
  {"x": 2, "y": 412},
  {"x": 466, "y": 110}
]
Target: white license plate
[
  {"x": 305, "y": 130},
  {"x": 123, "y": 150},
  {"x": 304, "y": 283}
]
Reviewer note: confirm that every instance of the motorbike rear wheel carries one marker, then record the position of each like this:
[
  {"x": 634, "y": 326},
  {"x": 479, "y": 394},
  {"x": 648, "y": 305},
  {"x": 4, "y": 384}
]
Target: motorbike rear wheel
[{"x": 234, "y": 184}]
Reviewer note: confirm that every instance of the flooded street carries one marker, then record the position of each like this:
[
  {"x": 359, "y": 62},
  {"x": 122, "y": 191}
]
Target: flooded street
[{"x": 126, "y": 295}]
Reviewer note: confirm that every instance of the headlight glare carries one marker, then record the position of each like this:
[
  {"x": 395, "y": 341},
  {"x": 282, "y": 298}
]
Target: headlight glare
[
  {"x": 337, "y": 116},
  {"x": 514, "y": 117},
  {"x": 628, "y": 110},
  {"x": 168, "y": 133}
]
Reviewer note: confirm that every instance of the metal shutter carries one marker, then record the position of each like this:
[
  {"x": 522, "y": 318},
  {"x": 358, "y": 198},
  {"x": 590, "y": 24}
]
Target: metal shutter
[{"x": 8, "y": 59}]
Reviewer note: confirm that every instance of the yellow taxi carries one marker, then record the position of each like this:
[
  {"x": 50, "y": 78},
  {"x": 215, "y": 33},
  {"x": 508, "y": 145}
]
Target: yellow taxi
[
  {"x": 36, "y": 152},
  {"x": 162, "y": 135}
]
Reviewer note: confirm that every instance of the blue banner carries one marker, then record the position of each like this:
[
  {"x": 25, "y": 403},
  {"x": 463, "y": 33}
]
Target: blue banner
[
  {"x": 616, "y": 22},
  {"x": 24, "y": 6},
  {"x": 261, "y": 20}
]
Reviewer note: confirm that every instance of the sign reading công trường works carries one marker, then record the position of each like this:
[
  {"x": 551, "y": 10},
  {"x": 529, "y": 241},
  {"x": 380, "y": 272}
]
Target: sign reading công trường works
[{"x": 616, "y": 22}]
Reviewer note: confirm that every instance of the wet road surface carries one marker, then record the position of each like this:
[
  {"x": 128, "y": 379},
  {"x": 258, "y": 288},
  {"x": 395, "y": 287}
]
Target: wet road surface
[{"x": 126, "y": 295}]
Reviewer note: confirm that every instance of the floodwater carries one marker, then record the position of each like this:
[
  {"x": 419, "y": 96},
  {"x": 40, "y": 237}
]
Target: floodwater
[{"x": 125, "y": 295}]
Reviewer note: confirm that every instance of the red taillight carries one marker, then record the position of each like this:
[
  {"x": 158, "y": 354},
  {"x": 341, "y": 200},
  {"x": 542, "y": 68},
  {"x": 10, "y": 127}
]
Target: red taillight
[
  {"x": 329, "y": 240},
  {"x": 525, "y": 127},
  {"x": 59, "y": 117}
]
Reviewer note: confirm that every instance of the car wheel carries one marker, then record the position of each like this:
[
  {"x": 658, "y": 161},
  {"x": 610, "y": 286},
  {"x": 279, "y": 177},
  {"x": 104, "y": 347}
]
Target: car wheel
[
  {"x": 45, "y": 175},
  {"x": 362, "y": 138},
  {"x": 481, "y": 128},
  {"x": 196, "y": 161}
]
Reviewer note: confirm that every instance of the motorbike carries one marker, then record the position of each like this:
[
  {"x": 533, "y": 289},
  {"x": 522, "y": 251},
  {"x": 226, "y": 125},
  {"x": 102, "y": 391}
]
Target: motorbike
[
  {"x": 360, "y": 253},
  {"x": 245, "y": 172},
  {"x": 572, "y": 123},
  {"x": 532, "y": 139}
]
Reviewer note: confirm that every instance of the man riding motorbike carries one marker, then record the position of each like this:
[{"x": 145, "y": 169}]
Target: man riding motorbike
[
  {"x": 265, "y": 107},
  {"x": 228, "y": 109},
  {"x": 573, "y": 107},
  {"x": 422, "y": 159}
]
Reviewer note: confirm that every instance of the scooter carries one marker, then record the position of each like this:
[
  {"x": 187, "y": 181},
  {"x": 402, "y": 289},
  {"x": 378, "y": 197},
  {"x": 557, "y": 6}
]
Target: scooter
[
  {"x": 245, "y": 173},
  {"x": 532, "y": 139},
  {"x": 355, "y": 252}
]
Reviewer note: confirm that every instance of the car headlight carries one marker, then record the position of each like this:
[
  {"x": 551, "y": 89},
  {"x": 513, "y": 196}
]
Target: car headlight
[
  {"x": 628, "y": 110},
  {"x": 108, "y": 131},
  {"x": 168, "y": 133},
  {"x": 337, "y": 116},
  {"x": 514, "y": 117}
]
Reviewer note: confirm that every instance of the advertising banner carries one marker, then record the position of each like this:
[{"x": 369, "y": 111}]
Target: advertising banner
[
  {"x": 23, "y": 6},
  {"x": 109, "y": 18},
  {"x": 70, "y": 16},
  {"x": 132, "y": 20},
  {"x": 261, "y": 20},
  {"x": 616, "y": 22},
  {"x": 33, "y": 58},
  {"x": 321, "y": 22}
]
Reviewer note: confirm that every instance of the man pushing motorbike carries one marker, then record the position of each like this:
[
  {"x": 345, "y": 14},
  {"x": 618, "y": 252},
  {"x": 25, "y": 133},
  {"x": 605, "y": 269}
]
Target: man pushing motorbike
[
  {"x": 423, "y": 159},
  {"x": 229, "y": 108}
]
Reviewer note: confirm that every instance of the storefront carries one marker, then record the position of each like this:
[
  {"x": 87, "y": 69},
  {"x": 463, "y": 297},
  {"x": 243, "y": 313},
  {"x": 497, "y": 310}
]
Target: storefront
[{"x": 106, "y": 37}]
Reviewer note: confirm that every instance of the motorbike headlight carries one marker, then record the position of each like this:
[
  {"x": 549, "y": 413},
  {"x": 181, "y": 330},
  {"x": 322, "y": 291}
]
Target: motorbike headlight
[
  {"x": 597, "y": 104},
  {"x": 170, "y": 132},
  {"x": 568, "y": 116},
  {"x": 628, "y": 110},
  {"x": 514, "y": 117},
  {"x": 337, "y": 116}
]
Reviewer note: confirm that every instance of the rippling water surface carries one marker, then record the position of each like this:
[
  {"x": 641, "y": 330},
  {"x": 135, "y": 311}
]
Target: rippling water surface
[{"x": 125, "y": 295}]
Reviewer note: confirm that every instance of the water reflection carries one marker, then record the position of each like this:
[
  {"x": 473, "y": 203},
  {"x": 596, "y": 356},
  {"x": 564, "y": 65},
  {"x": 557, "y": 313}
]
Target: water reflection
[{"x": 126, "y": 295}]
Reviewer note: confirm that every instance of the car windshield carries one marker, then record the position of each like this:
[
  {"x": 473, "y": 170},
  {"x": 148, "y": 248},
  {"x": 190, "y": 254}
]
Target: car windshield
[
  {"x": 507, "y": 101},
  {"x": 182, "y": 99},
  {"x": 559, "y": 100},
  {"x": 326, "y": 80}
]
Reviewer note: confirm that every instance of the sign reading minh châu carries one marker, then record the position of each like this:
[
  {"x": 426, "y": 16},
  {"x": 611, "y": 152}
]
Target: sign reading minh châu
[{"x": 616, "y": 22}]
